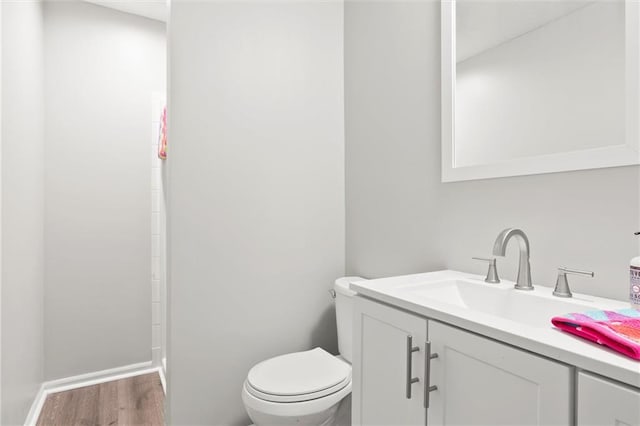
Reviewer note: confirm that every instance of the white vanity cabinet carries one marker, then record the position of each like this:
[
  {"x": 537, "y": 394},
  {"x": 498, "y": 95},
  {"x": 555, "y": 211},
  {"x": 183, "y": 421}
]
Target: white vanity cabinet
[
  {"x": 381, "y": 363},
  {"x": 604, "y": 403},
  {"x": 479, "y": 381},
  {"x": 483, "y": 382}
]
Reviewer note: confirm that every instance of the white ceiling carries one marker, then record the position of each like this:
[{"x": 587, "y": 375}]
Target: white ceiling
[
  {"x": 481, "y": 24},
  {"x": 154, "y": 9}
]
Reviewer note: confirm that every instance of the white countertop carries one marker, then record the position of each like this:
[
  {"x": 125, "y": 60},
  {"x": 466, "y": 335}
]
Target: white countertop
[{"x": 546, "y": 341}]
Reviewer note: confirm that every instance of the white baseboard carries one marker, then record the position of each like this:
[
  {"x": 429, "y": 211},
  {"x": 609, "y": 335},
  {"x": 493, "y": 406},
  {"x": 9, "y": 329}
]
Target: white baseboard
[
  {"x": 163, "y": 380},
  {"x": 88, "y": 379},
  {"x": 36, "y": 407},
  {"x": 97, "y": 377}
]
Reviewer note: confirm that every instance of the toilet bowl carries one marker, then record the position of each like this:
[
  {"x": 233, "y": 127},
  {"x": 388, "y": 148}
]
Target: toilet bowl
[
  {"x": 301, "y": 388},
  {"x": 304, "y": 388}
]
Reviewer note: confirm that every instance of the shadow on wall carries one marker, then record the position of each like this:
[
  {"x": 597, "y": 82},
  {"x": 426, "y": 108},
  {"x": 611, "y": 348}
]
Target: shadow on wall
[{"x": 324, "y": 333}]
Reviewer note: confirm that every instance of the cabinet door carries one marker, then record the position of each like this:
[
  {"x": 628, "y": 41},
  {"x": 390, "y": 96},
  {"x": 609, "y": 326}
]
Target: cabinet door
[
  {"x": 483, "y": 382},
  {"x": 604, "y": 403},
  {"x": 380, "y": 365}
]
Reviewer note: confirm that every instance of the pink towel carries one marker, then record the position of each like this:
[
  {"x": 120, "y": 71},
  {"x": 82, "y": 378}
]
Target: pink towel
[
  {"x": 162, "y": 137},
  {"x": 619, "y": 330}
]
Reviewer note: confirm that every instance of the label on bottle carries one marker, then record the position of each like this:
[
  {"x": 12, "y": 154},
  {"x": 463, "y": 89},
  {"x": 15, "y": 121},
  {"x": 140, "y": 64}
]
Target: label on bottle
[{"x": 634, "y": 290}]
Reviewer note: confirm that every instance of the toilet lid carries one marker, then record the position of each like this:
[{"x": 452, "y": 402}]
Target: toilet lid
[{"x": 298, "y": 376}]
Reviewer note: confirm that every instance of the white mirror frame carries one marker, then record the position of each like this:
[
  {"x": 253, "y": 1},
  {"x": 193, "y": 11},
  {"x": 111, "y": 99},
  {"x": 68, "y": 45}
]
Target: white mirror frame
[{"x": 612, "y": 156}]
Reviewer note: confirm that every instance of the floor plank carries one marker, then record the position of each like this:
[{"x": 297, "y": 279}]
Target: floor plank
[{"x": 136, "y": 400}]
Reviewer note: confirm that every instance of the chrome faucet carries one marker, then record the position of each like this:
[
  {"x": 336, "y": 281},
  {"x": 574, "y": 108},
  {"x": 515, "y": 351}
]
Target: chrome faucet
[{"x": 524, "y": 269}]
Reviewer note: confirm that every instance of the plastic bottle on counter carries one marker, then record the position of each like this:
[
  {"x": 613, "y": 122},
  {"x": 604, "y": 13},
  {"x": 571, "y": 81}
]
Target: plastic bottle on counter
[{"x": 634, "y": 283}]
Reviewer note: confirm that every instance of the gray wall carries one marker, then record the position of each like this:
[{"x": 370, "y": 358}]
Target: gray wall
[
  {"x": 101, "y": 68},
  {"x": 401, "y": 219},
  {"x": 22, "y": 208},
  {"x": 256, "y": 196}
]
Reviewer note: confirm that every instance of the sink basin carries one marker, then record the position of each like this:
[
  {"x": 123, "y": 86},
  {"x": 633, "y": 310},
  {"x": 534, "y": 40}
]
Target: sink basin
[
  {"x": 526, "y": 307},
  {"x": 447, "y": 294}
]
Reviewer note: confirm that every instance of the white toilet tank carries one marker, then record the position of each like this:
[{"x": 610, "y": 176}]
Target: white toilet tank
[{"x": 344, "y": 315}]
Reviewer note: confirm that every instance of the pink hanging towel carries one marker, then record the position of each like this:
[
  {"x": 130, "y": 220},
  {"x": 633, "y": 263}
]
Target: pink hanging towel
[
  {"x": 162, "y": 140},
  {"x": 619, "y": 330}
]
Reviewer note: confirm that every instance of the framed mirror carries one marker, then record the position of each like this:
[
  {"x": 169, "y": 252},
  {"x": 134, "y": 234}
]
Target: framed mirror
[{"x": 532, "y": 86}]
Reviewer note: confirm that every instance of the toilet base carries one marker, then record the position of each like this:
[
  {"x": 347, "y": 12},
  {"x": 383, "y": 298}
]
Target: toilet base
[
  {"x": 323, "y": 418},
  {"x": 343, "y": 416}
]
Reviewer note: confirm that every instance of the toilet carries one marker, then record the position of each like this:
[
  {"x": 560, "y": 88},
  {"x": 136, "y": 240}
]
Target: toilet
[{"x": 305, "y": 388}]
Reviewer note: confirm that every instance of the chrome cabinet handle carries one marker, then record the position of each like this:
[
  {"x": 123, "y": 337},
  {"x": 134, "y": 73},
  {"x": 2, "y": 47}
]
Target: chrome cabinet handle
[
  {"x": 410, "y": 379},
  {"x": 427, "y": 373}
]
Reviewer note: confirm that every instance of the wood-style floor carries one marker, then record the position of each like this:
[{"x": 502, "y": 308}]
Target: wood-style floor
[{"x": 136, "y": 400}]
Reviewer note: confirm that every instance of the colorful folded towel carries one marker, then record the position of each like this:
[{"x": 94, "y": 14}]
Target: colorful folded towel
[{"x": 619, "y": 330}]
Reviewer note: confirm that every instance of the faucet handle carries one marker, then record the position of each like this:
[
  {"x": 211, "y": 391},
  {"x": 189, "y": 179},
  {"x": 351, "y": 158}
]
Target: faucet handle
[
  {"x": 492, "y": 273},
  {"x": 565, "y": 270},
  {"x": 562, "y": 284}
]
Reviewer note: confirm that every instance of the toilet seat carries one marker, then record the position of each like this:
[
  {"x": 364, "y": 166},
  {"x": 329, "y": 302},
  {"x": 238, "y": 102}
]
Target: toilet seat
[
  {"x": 297, "y": 398},
  {"x": 298, "y": 377}
]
